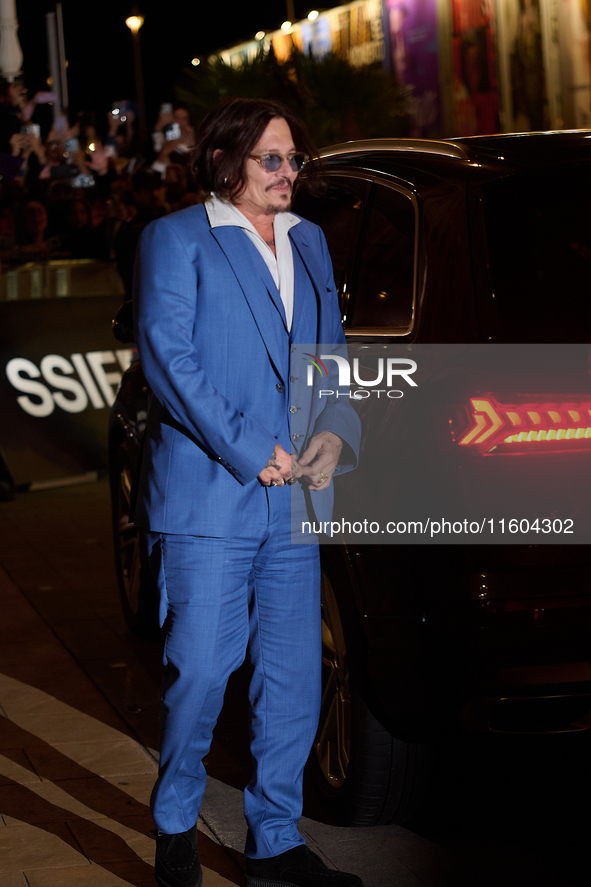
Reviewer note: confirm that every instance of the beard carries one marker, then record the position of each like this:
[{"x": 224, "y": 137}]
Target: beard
[{"x": 273, "y": 209}]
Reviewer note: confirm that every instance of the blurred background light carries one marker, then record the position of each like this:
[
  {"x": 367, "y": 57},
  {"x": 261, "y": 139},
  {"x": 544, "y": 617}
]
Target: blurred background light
[{"x": 134, "y": 22}]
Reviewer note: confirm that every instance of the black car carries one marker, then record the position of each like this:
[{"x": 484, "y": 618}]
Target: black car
[{"x": 470, "y": 244}]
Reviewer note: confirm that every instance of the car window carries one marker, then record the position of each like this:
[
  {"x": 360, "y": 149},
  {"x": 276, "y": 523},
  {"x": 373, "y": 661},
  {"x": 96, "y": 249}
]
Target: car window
[
  {"x": 538, "y": 228},
  {"x": 383, "y": 294},
  {"x": 339, "y": 214}
]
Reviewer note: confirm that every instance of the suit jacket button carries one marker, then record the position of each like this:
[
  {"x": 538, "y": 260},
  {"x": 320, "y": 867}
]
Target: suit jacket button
[
  {"x": 295, "y": 437},
  {"x": 293, "y": 409},
  {"x": 293, "y": 378},
  {"x": 280, "y": 387}
]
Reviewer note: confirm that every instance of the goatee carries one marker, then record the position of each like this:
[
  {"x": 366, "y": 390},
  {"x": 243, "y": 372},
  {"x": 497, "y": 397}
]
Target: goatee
[{"x": 275, "y": 210}]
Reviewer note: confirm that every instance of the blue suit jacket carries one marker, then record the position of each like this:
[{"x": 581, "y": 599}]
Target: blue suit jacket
[{"x": 214, "y": 348}]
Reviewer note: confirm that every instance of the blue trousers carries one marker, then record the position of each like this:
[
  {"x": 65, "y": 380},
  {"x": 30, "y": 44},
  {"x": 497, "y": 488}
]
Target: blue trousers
[{"x": 220, "y": 596}]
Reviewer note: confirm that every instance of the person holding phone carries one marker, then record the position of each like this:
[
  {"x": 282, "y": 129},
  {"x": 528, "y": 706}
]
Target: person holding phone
[{"x": 173, "y": 136}]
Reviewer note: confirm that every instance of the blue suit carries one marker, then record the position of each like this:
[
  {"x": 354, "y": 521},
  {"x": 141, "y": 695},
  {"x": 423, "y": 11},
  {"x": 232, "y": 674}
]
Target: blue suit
[{"x": 219, "y": 358}]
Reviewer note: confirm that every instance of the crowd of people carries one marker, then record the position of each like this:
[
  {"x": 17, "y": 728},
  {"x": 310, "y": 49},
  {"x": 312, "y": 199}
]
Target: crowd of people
[{"x": 85, "y": 191}]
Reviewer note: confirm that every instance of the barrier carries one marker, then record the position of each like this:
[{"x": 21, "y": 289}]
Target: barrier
[
  {"x": 60, "y": 367},
  {"x": 59, "y": 278}
]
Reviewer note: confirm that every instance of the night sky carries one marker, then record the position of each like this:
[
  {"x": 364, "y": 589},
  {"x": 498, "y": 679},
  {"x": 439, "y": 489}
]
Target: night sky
[{"x": 100, "y": 52}]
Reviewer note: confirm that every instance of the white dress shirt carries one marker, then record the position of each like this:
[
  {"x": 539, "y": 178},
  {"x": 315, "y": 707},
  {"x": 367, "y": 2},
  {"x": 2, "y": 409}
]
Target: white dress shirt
[{"x": 221, "y": 212}]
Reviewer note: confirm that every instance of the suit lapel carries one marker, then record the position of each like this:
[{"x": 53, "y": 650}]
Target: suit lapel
[
  {"x": 259, "y": 290},
  {"x": 305, "y": 310},
  {"x": 316, "y": 274}
]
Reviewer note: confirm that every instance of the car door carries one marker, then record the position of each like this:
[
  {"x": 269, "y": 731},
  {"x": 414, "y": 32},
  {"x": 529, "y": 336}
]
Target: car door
[
  {"x": 339, "y": 212},
  {"x": 382, "y": 298}
]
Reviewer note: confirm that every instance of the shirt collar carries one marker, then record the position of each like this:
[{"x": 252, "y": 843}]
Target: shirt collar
[{"x": 221, "y": 212}]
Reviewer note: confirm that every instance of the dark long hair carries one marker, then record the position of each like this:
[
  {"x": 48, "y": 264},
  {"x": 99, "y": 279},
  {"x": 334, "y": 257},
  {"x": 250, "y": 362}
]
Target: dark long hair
[{"x": 234, "y": 128}]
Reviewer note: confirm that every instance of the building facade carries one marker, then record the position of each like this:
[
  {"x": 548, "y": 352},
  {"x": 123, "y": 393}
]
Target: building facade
[{"x": 468, "y": 67}]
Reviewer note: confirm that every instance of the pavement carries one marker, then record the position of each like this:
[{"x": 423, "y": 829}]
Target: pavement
[
  {"x": 79, "y": 715},
  {"x": 78, "y": 729}
]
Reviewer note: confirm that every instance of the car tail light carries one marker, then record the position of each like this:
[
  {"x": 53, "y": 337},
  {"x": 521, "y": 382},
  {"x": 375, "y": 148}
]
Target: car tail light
[{"x": 559, "y": 425}]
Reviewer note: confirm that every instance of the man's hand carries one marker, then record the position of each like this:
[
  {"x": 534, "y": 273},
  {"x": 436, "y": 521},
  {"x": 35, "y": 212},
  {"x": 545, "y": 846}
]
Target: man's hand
[
  {"x": 320, "y": 459},
  {"x": 277, "y": 471}
]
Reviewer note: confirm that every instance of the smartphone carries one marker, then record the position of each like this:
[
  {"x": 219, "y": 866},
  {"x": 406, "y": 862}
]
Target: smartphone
[
  {"x": 166, "y": 108},
  {"x": 63, "y": 171},
  {"x": 72, "y": 147},
  {"x": 82, "y": 180},
  {"x": 172, "y": 131},
  {"x": 31, "y": 129},
  {"x": 119, "y": 109}
]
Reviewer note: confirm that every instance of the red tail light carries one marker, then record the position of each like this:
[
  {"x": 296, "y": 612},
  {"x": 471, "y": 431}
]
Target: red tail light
[{"x": 519, "y": 428}]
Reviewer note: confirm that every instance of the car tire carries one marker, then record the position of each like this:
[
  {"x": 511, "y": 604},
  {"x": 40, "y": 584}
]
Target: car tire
[
  {"x": 363, "y": 775},
  {"x": 137, "y": 588}
]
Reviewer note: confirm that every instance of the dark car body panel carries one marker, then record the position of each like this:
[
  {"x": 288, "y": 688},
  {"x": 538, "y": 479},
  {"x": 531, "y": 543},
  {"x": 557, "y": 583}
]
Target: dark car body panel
[{"x": 438, "y": 629}]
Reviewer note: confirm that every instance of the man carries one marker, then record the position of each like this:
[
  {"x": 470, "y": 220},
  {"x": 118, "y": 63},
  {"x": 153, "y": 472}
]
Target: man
[{"x": 226, "y": 291}]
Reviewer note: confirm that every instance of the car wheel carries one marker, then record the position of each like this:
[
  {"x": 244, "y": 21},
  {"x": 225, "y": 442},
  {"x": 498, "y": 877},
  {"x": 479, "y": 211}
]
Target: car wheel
[
  {"x": 138, "y": 591},
  {"x": 363, "y": 774}
]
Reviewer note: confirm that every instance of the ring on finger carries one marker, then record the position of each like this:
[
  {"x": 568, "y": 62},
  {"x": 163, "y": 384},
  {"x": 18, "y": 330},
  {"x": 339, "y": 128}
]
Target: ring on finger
[{"x": 323, "y": 477}]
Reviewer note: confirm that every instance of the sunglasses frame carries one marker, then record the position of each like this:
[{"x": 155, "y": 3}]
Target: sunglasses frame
[{"x": 260, "y": 158}]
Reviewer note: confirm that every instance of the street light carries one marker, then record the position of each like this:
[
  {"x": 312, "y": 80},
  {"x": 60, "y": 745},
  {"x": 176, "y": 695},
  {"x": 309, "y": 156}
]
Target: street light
[{"x": 134, "y": 23}]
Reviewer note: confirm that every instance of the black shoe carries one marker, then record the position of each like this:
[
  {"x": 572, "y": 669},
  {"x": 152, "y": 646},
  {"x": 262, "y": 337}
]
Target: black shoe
[
  {"x": 298, "y": 867},
  {"x": 177, "y": 860}
]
